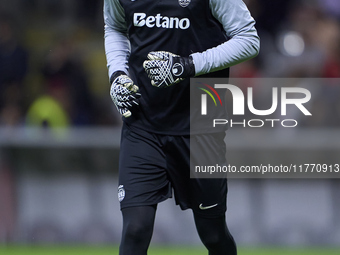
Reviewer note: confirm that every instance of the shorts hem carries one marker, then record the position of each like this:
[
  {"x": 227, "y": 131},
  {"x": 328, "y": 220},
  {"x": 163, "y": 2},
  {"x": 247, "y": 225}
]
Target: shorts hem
[{"x": 143, "y": 203}]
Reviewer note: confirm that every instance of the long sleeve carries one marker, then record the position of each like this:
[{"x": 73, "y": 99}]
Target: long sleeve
[
  {"x": 244, "y": 43},
  {"x": 117, "y": 45}
]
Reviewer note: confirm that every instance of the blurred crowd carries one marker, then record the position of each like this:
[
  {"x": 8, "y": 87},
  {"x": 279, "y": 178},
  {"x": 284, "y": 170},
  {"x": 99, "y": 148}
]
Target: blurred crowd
[{"x": 53, "y": 69}]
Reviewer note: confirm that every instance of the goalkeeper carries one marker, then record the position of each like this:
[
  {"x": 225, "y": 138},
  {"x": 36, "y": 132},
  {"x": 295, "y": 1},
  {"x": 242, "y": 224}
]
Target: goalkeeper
[{"x": 152, "y": 49}]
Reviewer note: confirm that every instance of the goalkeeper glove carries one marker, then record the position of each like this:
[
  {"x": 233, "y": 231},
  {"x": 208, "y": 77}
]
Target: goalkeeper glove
[
  {"x": 165, "y": 68},
  {"x": 123, "y": 93}
]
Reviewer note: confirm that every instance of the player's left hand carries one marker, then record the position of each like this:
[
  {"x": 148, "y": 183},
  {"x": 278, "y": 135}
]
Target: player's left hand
[{"x": 165, "y": 68}]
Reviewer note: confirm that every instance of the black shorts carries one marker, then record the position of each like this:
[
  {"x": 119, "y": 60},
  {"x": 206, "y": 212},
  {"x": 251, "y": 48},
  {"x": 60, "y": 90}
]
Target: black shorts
[{"x": 151, "y": 166}]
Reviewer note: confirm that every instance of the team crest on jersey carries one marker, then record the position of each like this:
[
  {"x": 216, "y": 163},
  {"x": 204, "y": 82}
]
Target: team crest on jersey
[
  {"x": 121, "y": 193},
  {"x": 184, "y": 3}
]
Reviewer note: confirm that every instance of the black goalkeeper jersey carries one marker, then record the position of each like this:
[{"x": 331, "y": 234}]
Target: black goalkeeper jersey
[{"x": 182, "y": 27}]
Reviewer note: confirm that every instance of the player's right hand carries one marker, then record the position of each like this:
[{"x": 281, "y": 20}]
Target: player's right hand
[{"x": 124, "y": 94}]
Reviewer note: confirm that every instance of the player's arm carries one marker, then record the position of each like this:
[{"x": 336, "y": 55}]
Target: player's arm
[
  {"x": 239, "y": 26},
  {"x": 244, "y": 43},
  {"x": 117, "y": 50},
  {"x": 116, "y": 42}
]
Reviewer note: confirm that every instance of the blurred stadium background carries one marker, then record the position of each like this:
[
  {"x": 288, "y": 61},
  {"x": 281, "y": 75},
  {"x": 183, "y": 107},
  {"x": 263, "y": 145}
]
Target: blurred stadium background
[{"x": 59, "y": 132}]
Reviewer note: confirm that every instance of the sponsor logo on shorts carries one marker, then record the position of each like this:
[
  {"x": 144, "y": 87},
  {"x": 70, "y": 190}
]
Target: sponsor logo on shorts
[
  {"x": 121, "y": 193},
  {"x": 206, "y": 207}
]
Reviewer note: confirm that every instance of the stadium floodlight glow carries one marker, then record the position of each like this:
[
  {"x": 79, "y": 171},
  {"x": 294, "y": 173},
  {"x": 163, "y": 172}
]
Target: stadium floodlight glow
[{"x": 293, "y": 44}]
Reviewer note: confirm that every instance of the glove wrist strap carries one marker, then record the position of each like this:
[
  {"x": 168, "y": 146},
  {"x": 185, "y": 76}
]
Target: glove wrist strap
[
  {"x": 115, "y": 75},
  {"x": 189, "y": 67}
]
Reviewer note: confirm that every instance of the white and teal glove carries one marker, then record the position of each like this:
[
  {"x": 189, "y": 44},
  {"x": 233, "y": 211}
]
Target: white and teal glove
[
  {"x": 165, "y": 68},
  {"x": 124, "y": 93}
]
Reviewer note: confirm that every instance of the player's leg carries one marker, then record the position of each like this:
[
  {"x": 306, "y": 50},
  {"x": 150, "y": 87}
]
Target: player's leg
[
  {"x": 206, "y": 197},
  {"x": 138, "y": 225},
  {"x": 215, "y": 235},
  {"x": 209, "y": 195},
  {"x": 143, "y": 184},
  {"x": 209, "y": 205}
]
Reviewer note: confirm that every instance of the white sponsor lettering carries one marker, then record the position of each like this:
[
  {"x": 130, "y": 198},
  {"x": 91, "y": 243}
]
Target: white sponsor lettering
[{"x": 140, "y": 19}]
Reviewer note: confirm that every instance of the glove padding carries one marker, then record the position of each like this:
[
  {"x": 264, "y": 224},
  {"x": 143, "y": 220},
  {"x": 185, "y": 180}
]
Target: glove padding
[
  {"x": 124, "y": 94},
  {"x": 165, "y": 68}
]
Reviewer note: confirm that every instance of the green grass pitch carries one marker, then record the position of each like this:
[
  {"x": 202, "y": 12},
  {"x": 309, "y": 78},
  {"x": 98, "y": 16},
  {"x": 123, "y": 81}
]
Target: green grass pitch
[{"x": 158, "y": 250}]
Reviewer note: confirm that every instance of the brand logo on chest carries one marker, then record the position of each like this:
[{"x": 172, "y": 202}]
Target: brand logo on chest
[{"x": 184, "y": 3}]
